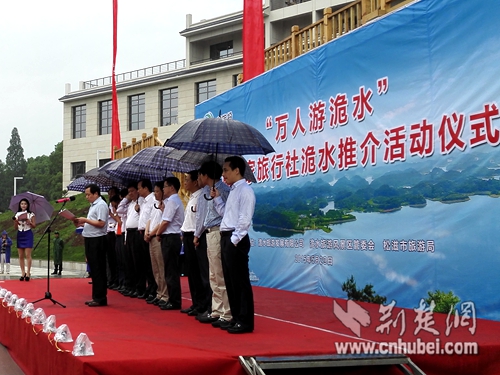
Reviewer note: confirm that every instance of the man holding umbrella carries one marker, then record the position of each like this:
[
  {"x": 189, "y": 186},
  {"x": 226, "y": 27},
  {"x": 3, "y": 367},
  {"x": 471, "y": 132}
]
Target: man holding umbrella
[
  {"x": 94, "y": 234},
  {"x": 237, "y": 213}
]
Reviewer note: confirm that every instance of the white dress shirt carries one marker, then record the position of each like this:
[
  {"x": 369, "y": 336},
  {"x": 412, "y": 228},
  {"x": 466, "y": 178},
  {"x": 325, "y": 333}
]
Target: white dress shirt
[
  {"x": 174, "y": 214},
  {"x": 238, "y": 211},
  {"x": 189, "y": 224},
  {"x": 146, "y": 209}
]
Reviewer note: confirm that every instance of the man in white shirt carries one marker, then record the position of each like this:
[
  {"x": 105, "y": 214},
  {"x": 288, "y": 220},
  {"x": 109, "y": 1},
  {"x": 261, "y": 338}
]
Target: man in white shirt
[
  {"x": 169, "y": 233},
  {"x": 237, "y": 215},
  {"x": 111, "y": 258},
  {"x": 207, "y": 236},
  {"x": 161, "y": 297},
  {"x": 146, "y": 284},
  {"x": 94, "y": 234},
  {"x": 129, "y": 206},
  {"x": 192, "y": 268}
]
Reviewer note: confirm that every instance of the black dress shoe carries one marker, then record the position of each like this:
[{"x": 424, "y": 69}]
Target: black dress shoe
[
  {"x": 227, "y": 324},
  {"x": 169, "y": 306},
  {"x": 239, "y": 328},
  {"x": 188, "y": 310},
  {"x": 96, "y": 304},
  {"x": 143, "y": 295},
  {"x": 208, "y": 319},
  {"x": 150, "y": 298},
  {"x": 193, "y": 312},
  {"x": 219, "y": 322},
  {"x": 161, "y": 303},
  {"x": 153, "y": 301},
  {"x": 87, "y": 302},
  {"x": 201, "y": 315}
]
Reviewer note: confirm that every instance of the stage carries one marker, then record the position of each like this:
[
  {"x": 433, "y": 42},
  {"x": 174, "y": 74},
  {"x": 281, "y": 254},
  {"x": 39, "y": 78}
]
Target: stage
[{"x": 132, "y": 337}]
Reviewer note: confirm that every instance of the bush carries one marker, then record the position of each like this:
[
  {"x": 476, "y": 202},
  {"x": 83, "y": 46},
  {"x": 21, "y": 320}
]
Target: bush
[{"x": 444, "y": 301}]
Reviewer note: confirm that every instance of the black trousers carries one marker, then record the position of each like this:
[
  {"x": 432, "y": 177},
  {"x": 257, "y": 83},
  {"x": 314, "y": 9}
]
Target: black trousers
[
  {"x": 201, "y": 253},
  {"x": 95, "y": 251},
  {"x": 192, "y": 268},
  {"x": 132, "y": 241},
  {"x": 112, "y": 263},
  {"x": 120, "y": 259},
  {"x": 237, "y": 278},
  {"x": 143, "y": 261},
  {"x": 171, "y": 245}
]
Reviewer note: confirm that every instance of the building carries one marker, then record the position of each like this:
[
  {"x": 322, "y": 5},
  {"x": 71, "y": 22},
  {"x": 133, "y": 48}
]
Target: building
[{"x": 164, "y": 96}]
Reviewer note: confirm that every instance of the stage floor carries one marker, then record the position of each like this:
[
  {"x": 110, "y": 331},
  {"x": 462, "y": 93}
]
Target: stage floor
[{"x": 131, "y": 337}]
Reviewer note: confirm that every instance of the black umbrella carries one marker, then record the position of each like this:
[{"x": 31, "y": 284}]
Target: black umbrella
[{"x": 218, "y": 135}]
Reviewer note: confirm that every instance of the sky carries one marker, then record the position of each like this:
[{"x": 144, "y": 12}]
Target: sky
[{"x": 46, "y": 44}]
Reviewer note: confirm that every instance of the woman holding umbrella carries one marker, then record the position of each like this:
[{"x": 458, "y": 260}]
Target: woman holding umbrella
[{"x": 24, "y": 221}]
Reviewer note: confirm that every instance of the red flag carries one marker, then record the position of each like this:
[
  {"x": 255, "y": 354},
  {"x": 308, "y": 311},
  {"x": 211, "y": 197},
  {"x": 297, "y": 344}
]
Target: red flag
[
  {"x": 115, "y": 121},
  {"x": 253, "y": 39}
]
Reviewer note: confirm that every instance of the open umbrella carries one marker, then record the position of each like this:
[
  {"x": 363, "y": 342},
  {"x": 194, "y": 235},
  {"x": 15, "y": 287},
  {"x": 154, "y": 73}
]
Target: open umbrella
[
  {"x": 198, "y": 158},
  {"x": 126, "y": 172},
  {"x": 81, "y": 183},
  {"x": 101, "y": 178},
  {"x": 159, "y": 157},
  {"x": 38, "y": 204},
  {"x": 171, "y": 159},
  {"x": 218, "y": 135}
]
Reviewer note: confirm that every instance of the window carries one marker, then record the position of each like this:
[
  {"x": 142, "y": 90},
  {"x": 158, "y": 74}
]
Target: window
[
  {"x": 77, "y": 169},
  {"x": 137, "y": 109},
  {"x": 103, "y": 161},
  {"x": 205, "y": 90},
  {"x": 169, "y": 99},
  {"x": 221, "y": 50},
  {"x": 105, "y": 117},
  {"x": 236, "y": 79},
  {"x": 79, "y": 121}
]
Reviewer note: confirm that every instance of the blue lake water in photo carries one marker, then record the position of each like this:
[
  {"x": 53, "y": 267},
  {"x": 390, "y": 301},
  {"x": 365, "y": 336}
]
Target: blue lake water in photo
[{"x": 466, "y": 257}]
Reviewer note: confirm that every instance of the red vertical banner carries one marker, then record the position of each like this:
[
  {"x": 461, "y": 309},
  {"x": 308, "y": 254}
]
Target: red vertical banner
[
  {"x": 253, "y": 39},
  {"x": 115, "y": 121}
]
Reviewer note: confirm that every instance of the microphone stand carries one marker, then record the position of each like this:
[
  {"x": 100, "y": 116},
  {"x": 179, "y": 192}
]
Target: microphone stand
[{"x": 48, "y": 295}]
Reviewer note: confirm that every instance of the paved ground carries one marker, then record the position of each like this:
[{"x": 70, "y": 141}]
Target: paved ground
[
  {"x": 39, "y": 272},
  {"x": 7, "y": 365}
]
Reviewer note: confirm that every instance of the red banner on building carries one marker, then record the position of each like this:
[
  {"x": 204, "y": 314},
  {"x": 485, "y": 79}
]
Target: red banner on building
[
  {"x": 115, "y": 122},
  {"x": 253, "y": 39}
]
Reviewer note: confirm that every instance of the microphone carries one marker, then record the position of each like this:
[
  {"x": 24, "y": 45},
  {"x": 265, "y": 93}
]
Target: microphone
[{"x": 62, "y": 200}]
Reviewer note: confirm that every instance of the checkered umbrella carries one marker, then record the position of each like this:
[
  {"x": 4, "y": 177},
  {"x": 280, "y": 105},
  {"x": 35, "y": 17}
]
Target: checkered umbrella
[
  {"x": 125, "y": 172},
  {"x": 218, "y": 135},
  {"x": 158, "y": 157},
  {"x": 101, "y": 178},
  {"x": 81, "y": 183},
  {"x": 198, "y": 158}
]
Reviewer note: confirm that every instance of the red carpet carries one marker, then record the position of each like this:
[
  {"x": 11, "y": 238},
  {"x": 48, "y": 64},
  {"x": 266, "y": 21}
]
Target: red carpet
[{"x": 131, "y": 337}]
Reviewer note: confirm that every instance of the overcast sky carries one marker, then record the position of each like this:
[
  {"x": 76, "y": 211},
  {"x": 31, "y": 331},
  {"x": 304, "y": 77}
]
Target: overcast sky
[{"x": 46, "y": 44}]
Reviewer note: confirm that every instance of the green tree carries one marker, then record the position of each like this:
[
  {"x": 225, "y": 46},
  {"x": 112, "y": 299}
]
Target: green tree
[
  {"x": 15, "y": 161},
  {"x": 445, "y": 302},
  {"x": 6, "y": 187},
  {"x": 44, "y": 174},
  {"x": 367, "y": 294}
]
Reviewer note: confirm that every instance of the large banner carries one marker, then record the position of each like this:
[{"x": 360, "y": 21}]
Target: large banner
[{"x": 387, "y": 165}]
